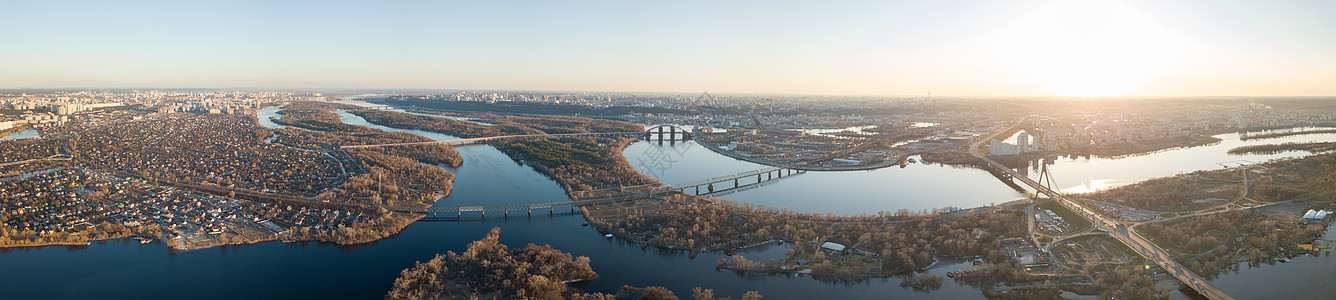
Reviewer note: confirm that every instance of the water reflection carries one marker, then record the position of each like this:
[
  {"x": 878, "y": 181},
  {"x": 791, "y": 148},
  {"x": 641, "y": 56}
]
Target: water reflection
[
  {"x": 25, "y": 134},
  {"x": 917, "y": 187},
  {"x": 1084, "y": 173}
]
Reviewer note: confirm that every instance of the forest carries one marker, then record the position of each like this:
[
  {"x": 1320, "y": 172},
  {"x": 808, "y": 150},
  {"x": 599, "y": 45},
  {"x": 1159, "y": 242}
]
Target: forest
[
  {"x": 1247, "y": 137},
  {"x": 1141, "y": 147},
  {"x": 463, "y": 129},
  {"x": 1215, "y": 243},
  {"x": 496, "y": 124},
  {"x": 318, "y": 116},
  {"x": 523, "y": 107},
  {"x": 490, "y": 270},
  {"x": 384, "y": 225},
  {"x": 1176, "y": 193},
  {"x": 1278, "y": 148},
  {"x": 902, "y": 243}
]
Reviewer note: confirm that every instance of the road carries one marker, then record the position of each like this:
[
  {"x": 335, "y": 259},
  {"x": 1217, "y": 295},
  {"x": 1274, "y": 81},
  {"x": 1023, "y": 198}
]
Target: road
[
  {"x": 1116, "y": 228},
  {"x": 53, "y": 157}
]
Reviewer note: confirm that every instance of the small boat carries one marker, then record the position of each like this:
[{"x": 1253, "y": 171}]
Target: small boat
[
  {"x": 585, "y": 224},
  {"x": 607, "y": 236},
  {"x": 911, "y": 160}
]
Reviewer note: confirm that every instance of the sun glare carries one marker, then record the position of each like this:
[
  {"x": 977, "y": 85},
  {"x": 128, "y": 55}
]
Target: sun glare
[{"x": 1087, "y": 48}]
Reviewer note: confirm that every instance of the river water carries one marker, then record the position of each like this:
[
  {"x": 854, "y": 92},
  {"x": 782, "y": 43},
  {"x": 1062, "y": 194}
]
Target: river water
[
  {"x": 1083, "y": 174},
  {"x": 915, "y": 187},
  {"x": 25, "y": 134},
  {"x": 125, "y": 269},
  {"x": 919, "y": 186}
]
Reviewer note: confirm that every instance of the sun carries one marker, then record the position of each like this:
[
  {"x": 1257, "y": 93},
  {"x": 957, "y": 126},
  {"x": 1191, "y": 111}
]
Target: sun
[{"x": 1087, "y": 48}]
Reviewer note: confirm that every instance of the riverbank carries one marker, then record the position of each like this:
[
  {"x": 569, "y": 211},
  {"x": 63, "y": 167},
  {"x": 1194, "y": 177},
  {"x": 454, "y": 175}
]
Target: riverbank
[
  {"x": 81, "y": 238},
  {"x": 1284, "y": 134},
  {"x": 7, "y": 132},
  {"x": 739, "y": 156},
  {"x": 1277, "y": 148},
  {"x": 1141, "y": 147}
]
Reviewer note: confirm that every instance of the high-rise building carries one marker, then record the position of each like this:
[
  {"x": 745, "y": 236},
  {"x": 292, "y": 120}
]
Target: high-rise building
[{"x": 1023, "y": 140}]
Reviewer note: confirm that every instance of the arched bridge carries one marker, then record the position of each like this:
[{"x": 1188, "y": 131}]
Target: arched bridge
[{"x": 668, "y": 133}]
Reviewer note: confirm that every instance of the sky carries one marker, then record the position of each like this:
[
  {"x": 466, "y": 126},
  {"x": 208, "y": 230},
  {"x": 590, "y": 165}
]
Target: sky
[{"x": 885, "y": 47}]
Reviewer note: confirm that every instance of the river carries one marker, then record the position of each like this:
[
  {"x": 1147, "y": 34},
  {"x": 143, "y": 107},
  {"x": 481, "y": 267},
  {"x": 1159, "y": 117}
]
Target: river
[
  {"x": 1083, "y": 174},
  {"x": 125, "y": 269},
  {"x": 25, "y": 134}
]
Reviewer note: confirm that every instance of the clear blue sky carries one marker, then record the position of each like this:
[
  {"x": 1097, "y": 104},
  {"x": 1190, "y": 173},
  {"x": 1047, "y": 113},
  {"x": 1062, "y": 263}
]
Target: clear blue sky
[{"x": 1003, "y": 48}]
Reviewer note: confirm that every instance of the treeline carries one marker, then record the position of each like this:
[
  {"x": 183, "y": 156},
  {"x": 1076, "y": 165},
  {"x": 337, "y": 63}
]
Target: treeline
[
  {"x": 449, "y": 126},
  {"x": 524, "y": 107},
  {"x": 395, "y": 180},
  {"x": 382, "y": 226},
  {"x": 577, "y": 163},
  {"x": 390, "y": 176},
  {"x": 1278, "y": 148},
  {"x": 1245, "y": 137},
  {"x": 659, "y": 293},
  {"x": 498, "y": 124},
  {"x": 1142, "y": 147},
  {"x": 1175, "y": 193},
  {"x": 10, "y": 237},
  {"x": 428, "y": 153},
  {"x": 1257, "y": 239},
  {"x": 318, "y": 116},
  {"x": 560, "y": 124},
  {"x": 903, "y": 243},
  {"x": 489, "y": 269}
]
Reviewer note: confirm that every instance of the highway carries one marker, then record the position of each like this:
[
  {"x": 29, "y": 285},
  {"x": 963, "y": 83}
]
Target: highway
[{"x": 1116, "y": 229}]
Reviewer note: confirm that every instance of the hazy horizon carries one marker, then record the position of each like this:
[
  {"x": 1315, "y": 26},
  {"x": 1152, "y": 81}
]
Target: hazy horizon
[{"x": 866, "y": 48}]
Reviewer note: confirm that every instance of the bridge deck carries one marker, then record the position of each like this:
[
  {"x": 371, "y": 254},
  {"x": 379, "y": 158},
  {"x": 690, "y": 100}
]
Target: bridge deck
[{"x": 1139, "y": 244}]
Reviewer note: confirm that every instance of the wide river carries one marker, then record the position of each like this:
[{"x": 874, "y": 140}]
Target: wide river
[{"x": 125, "y": 269}]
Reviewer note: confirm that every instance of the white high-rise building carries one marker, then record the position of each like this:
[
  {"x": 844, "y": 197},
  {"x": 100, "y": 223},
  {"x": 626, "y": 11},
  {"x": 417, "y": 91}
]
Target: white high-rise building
[{"x": 1023, "y": 140}]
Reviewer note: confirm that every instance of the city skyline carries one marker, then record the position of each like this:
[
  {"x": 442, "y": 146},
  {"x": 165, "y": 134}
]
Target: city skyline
[{"x": 954, "y": 48}]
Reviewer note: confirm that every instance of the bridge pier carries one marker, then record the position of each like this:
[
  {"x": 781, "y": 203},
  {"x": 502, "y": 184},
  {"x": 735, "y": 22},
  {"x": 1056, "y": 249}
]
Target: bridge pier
[
  {"x": 758, "y": 178},
  {"x": 530, "y": 211},
  {"x": 698, "y": 190},
  {"x": 735, "y": 182}
]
